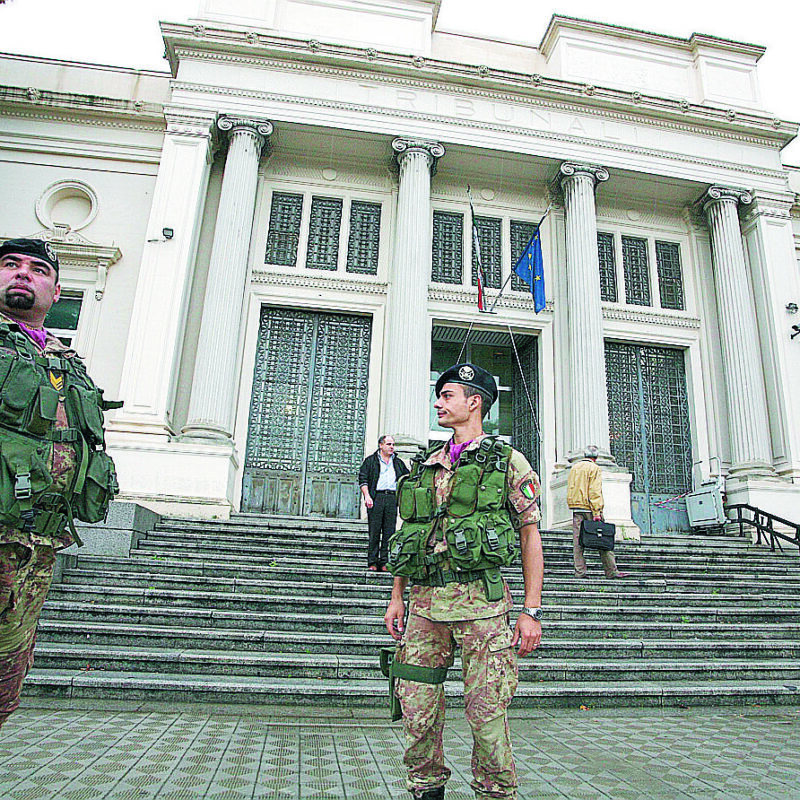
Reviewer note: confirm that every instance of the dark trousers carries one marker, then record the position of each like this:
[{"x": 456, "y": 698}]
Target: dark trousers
[{"x": 382, "y": 521}]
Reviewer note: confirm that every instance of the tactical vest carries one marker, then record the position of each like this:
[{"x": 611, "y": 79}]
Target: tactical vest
[
  {"x": 474, "y": 520},
  {"x": 31, "y": 387}
]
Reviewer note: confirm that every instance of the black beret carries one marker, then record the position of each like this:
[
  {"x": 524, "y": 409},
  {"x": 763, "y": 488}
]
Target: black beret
[
  {"x": 468, "y": 375},
  {"x": 31, "y": 247}
]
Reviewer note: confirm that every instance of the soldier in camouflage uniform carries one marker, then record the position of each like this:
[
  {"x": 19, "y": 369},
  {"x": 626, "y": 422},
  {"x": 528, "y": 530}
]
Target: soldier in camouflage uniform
[
  {"x": 458, "y": 613},
  {"x": 28, "y": 288}
]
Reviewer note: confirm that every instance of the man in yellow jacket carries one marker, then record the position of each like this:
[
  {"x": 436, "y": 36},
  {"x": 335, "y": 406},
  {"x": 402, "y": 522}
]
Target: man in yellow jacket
[{"x": 585, "y": 500}]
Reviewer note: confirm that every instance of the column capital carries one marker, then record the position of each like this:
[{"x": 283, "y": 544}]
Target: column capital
[
  {"x": 403, "y": 147},
  {"x": 259, "y": 128},
  {"x": 725, "y": 194},
  {"x": 571, "y": 169}
]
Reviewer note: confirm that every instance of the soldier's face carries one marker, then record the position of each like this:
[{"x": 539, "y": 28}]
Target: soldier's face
[
  {"x": 28, "y": 287},
  {"x": 453, "y": 407}
]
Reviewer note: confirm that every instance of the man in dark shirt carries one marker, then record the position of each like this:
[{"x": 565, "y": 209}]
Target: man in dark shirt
[{"x": 378, "y": 478}]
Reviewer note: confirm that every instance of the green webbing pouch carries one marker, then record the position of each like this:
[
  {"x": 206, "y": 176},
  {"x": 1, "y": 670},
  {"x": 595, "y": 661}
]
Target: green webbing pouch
[
  {"x": 393, "y": 669},
  {"x": 91, "y": 502},
  {"x": 493, "y": 584}
]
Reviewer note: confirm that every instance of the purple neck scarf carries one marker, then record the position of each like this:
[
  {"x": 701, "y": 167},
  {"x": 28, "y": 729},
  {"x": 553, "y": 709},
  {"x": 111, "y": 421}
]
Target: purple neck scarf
[
  {"x": 37, "y": 335},
  {"x": 456, "y": 450}
]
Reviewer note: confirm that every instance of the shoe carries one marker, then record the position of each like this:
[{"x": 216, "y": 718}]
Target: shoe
[
  {"x": 585, "y": 575},
  {"x": 383, "y": 568},
  {"x": 619, "y": 575},
  {"x": 429, "y": 794},
  {"x": 373, "y": 567}
]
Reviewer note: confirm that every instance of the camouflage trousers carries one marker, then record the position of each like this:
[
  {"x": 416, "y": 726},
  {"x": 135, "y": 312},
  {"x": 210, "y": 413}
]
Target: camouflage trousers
[
  {"x": 25, "y": 577},
  {"x": 490, "y": 680}
]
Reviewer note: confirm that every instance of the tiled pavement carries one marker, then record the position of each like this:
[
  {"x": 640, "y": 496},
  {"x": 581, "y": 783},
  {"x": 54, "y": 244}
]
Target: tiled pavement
[{"x": 119, "y": 751}]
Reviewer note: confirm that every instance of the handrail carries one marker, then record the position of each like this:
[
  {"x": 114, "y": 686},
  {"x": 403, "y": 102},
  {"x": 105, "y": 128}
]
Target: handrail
[{"x": 763, "y": 522}]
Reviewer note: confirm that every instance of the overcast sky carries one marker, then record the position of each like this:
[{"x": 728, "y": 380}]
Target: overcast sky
[{"x": 126, "y": 33}]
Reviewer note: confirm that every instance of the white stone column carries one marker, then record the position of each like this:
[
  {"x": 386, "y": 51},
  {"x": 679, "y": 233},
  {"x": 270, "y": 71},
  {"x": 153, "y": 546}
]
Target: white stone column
[
  {"x": 155, "y": 340},
  {"x": 739, "y": 338},
  {"x": 211, "y": 408},
  {"x": 587, "y": 365},
  {"x": 407, "y": 359}
]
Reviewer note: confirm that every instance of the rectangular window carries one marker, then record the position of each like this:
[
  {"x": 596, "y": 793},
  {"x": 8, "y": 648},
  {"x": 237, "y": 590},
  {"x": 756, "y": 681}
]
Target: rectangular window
[
  {"x": 521, "y": 233},
  {"x": 608, "y": 267},
  {"x": 62, "y": 319},
  {"x": 670, "y": 282},
  {"x": 448, "y": 247},
  {"x": 365, "y": 233},
  {"x": 490, "y": 240},
  {"x": 284, "y": 229},
  {"x": 637, "y": 271},
  {"x": 323, "y": 233}
]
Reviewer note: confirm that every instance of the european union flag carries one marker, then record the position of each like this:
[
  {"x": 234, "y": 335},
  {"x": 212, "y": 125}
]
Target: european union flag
[{"x": 530, "y": 267}]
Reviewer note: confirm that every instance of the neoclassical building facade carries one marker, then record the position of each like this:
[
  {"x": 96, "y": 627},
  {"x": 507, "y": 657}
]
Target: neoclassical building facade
[{"x": 269, "y": 254}]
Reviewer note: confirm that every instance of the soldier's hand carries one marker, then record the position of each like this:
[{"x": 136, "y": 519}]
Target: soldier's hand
[
  {"x": 394, "y": 618},
  {"x": 528, "y": 633}
]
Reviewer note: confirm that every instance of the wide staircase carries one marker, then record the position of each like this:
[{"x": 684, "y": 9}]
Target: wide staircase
[{"x": 281, "y": 610}]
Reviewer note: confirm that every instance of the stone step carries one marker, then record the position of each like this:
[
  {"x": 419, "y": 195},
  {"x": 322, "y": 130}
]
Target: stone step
[
  {"x": 225, "y": 577},
  {"x": 349, "y": 643},
  {"x": 331, "y": 553},
  {"x": 87, "y": 658},
  {"x": 553, "y": 542},
  {"x": 376, "y": 596},
  {"x": 233, "y": 689},
  {"x": 310, "y": 619},
  {"x": 66, "y": 597}
]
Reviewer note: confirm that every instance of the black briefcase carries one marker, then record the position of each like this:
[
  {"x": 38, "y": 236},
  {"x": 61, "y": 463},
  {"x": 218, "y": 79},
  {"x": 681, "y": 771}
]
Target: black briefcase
[{"x": 597, "y": 535}]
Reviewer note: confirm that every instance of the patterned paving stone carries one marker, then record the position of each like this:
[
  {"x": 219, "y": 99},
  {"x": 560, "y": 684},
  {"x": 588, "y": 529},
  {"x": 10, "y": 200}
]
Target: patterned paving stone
[{"x": 52, "y": 754}]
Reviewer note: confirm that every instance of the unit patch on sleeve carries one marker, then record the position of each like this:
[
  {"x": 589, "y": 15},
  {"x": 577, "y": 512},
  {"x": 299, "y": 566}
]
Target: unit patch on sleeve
[{"x": 528, "y": 490}]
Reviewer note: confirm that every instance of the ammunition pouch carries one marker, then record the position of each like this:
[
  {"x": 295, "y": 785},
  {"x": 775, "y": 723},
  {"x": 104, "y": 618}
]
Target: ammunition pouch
[
  {"x": 474, "y": 521},
  {"x": 393, "y": 669}
]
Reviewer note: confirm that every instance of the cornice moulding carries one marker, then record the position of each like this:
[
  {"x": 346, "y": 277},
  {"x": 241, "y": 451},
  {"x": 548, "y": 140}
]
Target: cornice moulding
[
  {"x": 258, "y": 48},
  {"x": 265, "y": 276},
  {"x": 611, "y": 312},
  {"x": 495, "y": 127},
  {"x": 442, "y": 293}
]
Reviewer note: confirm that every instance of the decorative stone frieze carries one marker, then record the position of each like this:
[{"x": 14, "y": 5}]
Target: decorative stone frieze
[
  {"x": 216, "y": 367},
  {"x": 744, "y": 380}
]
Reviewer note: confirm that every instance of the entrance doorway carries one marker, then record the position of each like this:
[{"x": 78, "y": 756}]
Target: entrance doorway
[
  {"x": 510, "y": 417},
  {"x": 308, "y": 414},
  {"x": 648, "y": 414}
]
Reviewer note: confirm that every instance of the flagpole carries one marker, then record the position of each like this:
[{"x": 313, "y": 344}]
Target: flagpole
[{"x": 503, "y": 287}]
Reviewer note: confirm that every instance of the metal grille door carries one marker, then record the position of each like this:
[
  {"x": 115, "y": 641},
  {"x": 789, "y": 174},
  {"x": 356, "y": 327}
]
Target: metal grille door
[
  {"x": 650, "y": 431},
  {"x": 525, "y": 437},
  {"x": 307, "y": 416}
]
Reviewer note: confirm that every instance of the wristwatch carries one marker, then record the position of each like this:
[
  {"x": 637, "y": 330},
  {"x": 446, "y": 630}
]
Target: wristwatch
[{"x": 534, "y": 613}]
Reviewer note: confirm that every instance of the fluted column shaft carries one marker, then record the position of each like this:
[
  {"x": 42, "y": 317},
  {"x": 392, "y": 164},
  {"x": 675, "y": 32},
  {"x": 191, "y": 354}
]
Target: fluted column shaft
[
  {"x": 587, "y": 366},
  {"x": 748, "y": 425},
  {"x": 408, "y": 340},
  {"x": 211, "y": 410}
]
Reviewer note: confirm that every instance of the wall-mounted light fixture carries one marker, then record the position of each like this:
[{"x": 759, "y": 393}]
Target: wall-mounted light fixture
[
  {"x": 796, "y": 329},
  {"x": 791, "y": 308},
  {"x": 168, "y": 233}
]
